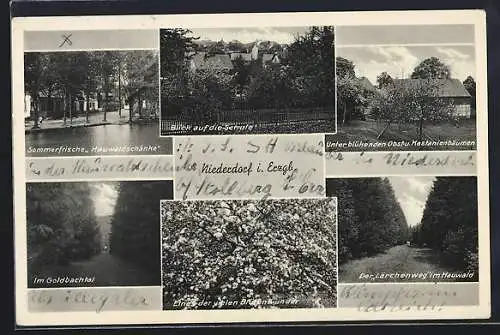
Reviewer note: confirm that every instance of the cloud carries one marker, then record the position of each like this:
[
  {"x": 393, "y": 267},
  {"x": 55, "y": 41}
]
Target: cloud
[
  {"x": 104, "y": 198},
  {"x": 399, "y": 61},
  {"x": 370, "y": 61},
  {"x": 413, "y": 209},
  {"x": 412, "y": 193},
  {"x": 461, "y": 63}
]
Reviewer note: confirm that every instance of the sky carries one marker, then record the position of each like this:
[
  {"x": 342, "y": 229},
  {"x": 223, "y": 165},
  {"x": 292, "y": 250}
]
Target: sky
[
  {"x": 104, "y": 196},
  {"x": 281, "y": 35},
  {"x": 398, "y": 49},
  {"x": 399, "y": 61},
  {"x": 412, "y": 193},
  {"x": 415, "y": 34}
]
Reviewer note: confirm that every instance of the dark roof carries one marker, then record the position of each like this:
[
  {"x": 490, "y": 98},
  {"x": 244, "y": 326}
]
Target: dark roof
[
  {"x": 366, "y": 84},
  {"x": 203, "y": 61},
  {"x": 447, "y": 87},
  {"x": 268, "y": 57}
]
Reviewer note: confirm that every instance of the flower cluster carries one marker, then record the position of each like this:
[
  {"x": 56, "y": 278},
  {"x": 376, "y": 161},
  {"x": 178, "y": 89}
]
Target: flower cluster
[{"x": 252, "y": 250}]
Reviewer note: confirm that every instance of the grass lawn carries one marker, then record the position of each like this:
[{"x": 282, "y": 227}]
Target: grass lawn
[{"x": 367, "y": 131}]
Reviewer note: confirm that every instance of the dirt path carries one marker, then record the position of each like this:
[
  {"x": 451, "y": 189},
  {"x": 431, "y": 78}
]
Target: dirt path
[
  {"x": 106, "y": 269},
  {"x": 109, "y": 270},
  {"x": 409, "y": 263}
]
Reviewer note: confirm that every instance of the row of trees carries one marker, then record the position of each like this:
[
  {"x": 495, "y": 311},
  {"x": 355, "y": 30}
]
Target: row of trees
[
  {"x": 417, "y": 103},
  {"x": 110, "y": 76},
  {"x": 449, "y": 222},
  {"x": 249, "y": 250},
  {"x": 61, "y": 224},
  {"x": 135, "y": 230},
  {"x": 370, "y": 219},
  {"x": 305, "y": 78},
  {"x": 223, "y": 47}
]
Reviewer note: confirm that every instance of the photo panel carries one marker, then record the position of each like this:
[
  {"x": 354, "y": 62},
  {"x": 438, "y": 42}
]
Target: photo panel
[
  {"x": 94, "y": 234},
  {"x": 249, "y": 254},
  {"x": 405, "y": 88},
  {"x": 407, "y": 229},
  {"x": 92, "y": 102},
  {"x": 247, "y": 80}
]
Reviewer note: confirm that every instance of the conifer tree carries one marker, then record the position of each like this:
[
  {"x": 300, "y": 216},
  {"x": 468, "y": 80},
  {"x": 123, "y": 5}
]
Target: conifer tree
[
  {"x": 61, "y": 224},
  {"x": 135, "y": 232}
]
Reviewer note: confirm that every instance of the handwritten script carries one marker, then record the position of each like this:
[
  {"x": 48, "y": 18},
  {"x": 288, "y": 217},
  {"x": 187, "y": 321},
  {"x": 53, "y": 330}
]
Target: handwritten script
[
  {"x": 405, "y": 297},
  {"x": 257, "y": 167},
  {"x": 379, "y": 163},
  {"x": 98, "y": 299},
  {"x": 99, "y": 167}
]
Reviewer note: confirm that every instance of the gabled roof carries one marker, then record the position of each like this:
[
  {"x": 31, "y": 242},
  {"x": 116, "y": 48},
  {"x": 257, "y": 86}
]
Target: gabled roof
[
  {"x": 447, "y": 87},
  {"x": 366, "y": 84},
  {"x": 267, "y": 57},
  {"x": 203, "y": 61},
  {"x": 246, "y": 56}
]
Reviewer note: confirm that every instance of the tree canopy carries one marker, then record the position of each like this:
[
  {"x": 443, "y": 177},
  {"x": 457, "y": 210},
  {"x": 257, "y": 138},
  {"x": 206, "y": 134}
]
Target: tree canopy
[
  {"x": 384, "y": 80},
  {"x": 370, "y": 218},
  {"x": 450, "y": 223},
  {"x": 241, "y": 249},
  {"x": 61, "y": 224},
  {"x": 431, "y": 68}
]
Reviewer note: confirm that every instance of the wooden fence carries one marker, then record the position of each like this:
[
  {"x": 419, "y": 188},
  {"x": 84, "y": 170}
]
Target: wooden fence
[{"x": 247, "y": 116}]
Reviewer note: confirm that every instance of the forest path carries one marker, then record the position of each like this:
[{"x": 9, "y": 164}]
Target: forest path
[
  {"x": 417, "y": 264},
  {"x": 110, "y": 270}
]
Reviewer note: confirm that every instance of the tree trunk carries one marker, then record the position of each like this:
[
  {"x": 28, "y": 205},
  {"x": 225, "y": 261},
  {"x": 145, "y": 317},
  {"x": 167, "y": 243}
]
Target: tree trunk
[
  {"x": 119, "y": 91},
  {"x": 130, "y": 109},
  {"x": 139, "y": 101},
  {"x": 421, "y": 128},
  {"x": 87, "y": 98},
  {"x": 36, "y": 124},
  {"x": 50, "y": 102},
  {"x": 65, "y": 107},
  {"x": 383, "y": 130},
  {"x": 344, "y": 114},
  {"x": 70, "y": 109}
]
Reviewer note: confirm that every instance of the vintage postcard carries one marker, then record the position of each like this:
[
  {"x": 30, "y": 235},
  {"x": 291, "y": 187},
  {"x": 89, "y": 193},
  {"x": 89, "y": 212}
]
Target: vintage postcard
[{"x": 246, "y": 168}]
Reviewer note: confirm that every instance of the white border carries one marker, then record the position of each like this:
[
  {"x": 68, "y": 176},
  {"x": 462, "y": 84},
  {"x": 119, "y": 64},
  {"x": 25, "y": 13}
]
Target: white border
[{"x": 19, "y": 25}]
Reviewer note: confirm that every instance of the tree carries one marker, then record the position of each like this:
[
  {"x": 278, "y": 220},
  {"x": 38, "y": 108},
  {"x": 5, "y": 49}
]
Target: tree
[
  {"x": 135, "y": 227},
  {"x": 241, "y": 76},
  {"x": 235, "y": 46},
  {"x": 384, "y": 80},
  {"x": 92, "y": 80},
  {"x": 140, "y": 77},
  {"x": 61, "y": 224},
  {"x": 209, "y": 92},
  {"x": 406, "y": 102},
  {"x": 217, "y": 48},
  {"x": 256, "y": 251},
  {"x": 371, "y": 219},
  {"x": 312, "y": 55},
  {"x": 470, "y": 86},
  {"x": 175, "y": 48},
  {"x": 35, "y": 67},
  {"x": 350, "y": 95},
  {"x": 431, "y": 68},
  {"x": 449, "y": 222},
  {"x": 344, "y": 68}
]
